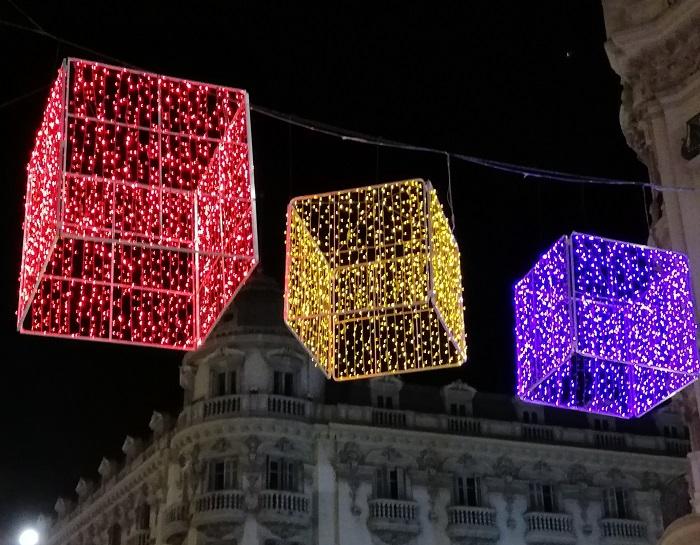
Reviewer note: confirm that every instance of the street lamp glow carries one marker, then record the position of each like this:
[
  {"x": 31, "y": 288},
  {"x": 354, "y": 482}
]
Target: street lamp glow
[{"x": 29, "y": 537}]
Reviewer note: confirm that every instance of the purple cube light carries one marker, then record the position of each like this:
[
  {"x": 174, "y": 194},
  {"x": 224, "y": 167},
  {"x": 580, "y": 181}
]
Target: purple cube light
[{"x": 605, "y": 327}]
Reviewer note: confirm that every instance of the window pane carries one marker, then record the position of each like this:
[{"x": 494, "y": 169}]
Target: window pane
[
  {"x": 389, "y": 402},
  {"x": 233, "y": 383},
  {"x": 221, "y": 384},
  {"x": 288, "y": 384},
  {"x": 380, "y": 402},
  {"x": 393, "y": 484},
  {"x": 273, "y": 475},
  {"x": 548, "y": 499}
]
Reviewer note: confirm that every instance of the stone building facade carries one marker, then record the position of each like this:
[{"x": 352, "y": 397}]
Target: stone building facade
[
  {"x": 265, "y": 452},
  {"x": 654, "y": 46}
]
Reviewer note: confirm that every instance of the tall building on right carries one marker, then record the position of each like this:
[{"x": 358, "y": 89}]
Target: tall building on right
[{"x": 654, "y": 46}]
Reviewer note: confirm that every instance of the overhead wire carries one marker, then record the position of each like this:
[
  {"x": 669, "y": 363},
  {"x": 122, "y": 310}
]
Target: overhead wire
[{"x": 348, "y": 135}]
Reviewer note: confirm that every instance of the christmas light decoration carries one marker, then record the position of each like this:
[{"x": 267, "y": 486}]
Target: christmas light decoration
[
  {"x": 140, "y": 209},
  {"x": 605, "y": 327},
  {"x": 373, "y": 284}
]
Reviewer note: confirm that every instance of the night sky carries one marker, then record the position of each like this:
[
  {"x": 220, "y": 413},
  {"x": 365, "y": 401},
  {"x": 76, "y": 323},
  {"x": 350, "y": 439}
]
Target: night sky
[{"x": 526, "y": 82}]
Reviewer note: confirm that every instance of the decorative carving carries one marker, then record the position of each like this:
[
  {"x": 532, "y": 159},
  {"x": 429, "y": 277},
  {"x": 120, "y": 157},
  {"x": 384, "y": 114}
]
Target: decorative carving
[
  {"x": 221, "y": 445},
  {"x": 505, "y": 467},
  {"x": 252, "y": 442},
  {"x": 391, "y": 454},
  {"x": 351, "y": 457},
  {"x": 429, "y": 462},
  {"x": 284, "y": 445},
  {"x": 578, "y": 474}
]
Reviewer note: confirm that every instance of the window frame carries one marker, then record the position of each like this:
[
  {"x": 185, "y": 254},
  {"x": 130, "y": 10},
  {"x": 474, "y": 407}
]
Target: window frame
[
  {"x": 392, "y": 483},
  {"x": 542, "y": 497},
  {"x": 221, "y": 474}
]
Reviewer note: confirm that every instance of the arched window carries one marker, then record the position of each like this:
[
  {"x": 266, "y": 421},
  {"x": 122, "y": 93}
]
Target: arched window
[
  {"x": 284, "y": 474},
  {"x": 115, "y": 535}
]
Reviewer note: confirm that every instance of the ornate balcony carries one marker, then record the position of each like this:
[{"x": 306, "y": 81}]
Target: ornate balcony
[
  {"x": 215, "y": 513},
  {"x": 629, "y": 532},
  {"x": 287, "y": 406},
  {"x": 554, "y": 528},
  {"x": 175, "y": 523},
  {"x": 284, "y": 513},
  {"x": 390, "y": 418},
  {"x": 393, "y": 521},
  {"x": 222, "y": 406},
  {"x": 472, "y": 524}
]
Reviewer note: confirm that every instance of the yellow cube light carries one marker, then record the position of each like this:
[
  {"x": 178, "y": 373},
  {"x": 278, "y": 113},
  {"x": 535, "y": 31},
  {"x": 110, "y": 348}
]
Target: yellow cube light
[{"x": 373, "y": 284}]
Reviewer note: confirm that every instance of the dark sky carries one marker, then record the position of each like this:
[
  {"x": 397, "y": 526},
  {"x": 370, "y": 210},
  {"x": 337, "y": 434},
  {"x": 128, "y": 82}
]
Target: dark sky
[{"x": 526, "y": 82}]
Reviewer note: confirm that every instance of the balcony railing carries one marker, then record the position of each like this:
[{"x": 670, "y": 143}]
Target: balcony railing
[
  {"x": 466, "y": 524},
  {"x": 538, "y": 433},
  {"x": 609, "y": 440},
  {"x": 284, "y": 502},
  {"x": 227, "y": 500},
  {"x": 549, "y": 527},
  {"x": 395, "y": 510},
  {"x": 389, "y": 418},
  {"x": 286, "y": 406},
  {"x": 222, "y": 406},
  {"x": 623, "y": 529},
  {"x": 464, "y": 425},
  {"x": 393, "y": 521},
  {"x": 245, "y": 405},
  {"x": 677, "y": 447},
  {"x": 252, "y": 404},
  {"x": 471, "y": 516}
]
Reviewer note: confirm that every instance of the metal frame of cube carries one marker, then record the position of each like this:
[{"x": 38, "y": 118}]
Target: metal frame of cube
[
  {"x": 140, "y": 219},
  {"x": 373, "y": 281},
  {"x": 606, "y": 327}
]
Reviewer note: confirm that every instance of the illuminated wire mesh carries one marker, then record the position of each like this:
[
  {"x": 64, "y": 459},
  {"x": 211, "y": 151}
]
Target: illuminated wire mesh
[
  {"x": 140, "y": 208},
  {"x": 605, "y": 327},
  {"x": 373, "y": 283}
]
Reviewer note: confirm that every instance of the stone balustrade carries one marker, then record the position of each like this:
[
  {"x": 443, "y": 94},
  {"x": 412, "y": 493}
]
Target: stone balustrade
[
  {"x": 467, "y": 523},
  {"x": 284, "y": 502},
  {"x": 549, "y": 528},
  {"x": 471, "y": 516},
  {"x": 406, "y": 510},
  {"x": 629, "y": 531},
  {"x": 227, "y": 500}
]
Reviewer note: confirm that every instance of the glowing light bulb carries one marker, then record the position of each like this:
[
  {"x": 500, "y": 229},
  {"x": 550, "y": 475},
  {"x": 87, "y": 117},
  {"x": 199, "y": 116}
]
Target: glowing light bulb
[{"x": 28, "y": 536}]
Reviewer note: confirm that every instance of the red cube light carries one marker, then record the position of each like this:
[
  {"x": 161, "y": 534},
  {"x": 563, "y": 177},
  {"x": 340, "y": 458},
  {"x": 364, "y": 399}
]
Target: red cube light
[{"x": 140, "y": 209}]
